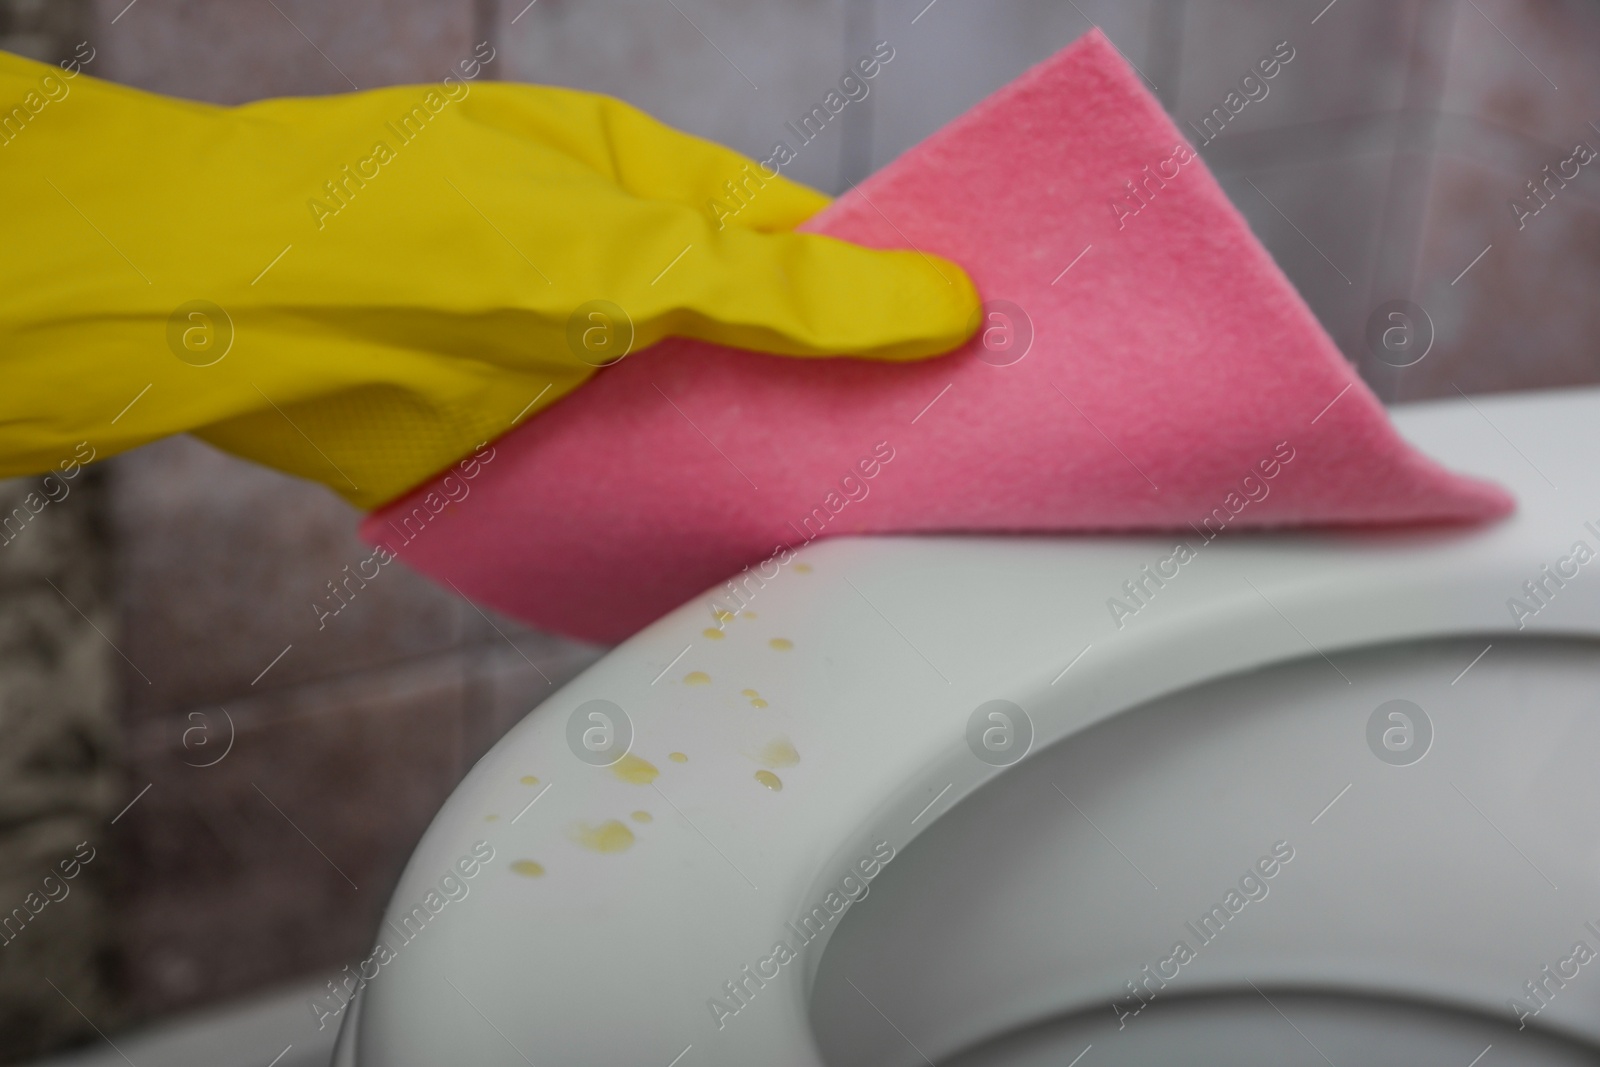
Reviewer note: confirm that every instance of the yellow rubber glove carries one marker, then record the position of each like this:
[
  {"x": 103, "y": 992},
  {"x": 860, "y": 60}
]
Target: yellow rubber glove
[{"x": 360, "y": 289}]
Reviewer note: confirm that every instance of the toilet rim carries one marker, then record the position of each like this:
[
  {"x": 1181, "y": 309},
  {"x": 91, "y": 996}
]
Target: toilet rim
[{"x": 1045, "y": 643}]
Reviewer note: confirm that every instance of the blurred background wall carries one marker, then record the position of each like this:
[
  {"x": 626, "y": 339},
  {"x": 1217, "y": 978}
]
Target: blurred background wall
[
  {"x": 61, "y": 745},
  {"x": 279, "y": 775}
]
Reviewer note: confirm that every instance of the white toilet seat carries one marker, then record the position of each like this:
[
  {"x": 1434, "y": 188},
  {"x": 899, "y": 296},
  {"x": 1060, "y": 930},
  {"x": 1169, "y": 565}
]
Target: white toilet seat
[
  {"x": 614, "y": 958},
  {"x": 1400, "y": 920}
]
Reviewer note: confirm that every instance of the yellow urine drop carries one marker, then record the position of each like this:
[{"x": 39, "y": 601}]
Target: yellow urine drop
[
  {"x": 631, "y": 768},
  {"x": 609, "y": 836},
  {"x": 528, "y": 779},
  {"x": 697, "y": 678},
  {"x": 643, "y": 816},
  {"x": 677, "y": 757},
  {"x": 802, "y": 568},
  {"x": 528, "y": 867},
  {"x": 748, "y": 614},
  {"x": 722, "y": 614},
  {"x": 770, "y": 780},
  {"x": 782, "y": 644},
  {"x": 491, "y": 818},
  {"x": 758, "y": 703},
  {"x": 779, "y": 753},
  {"x": 748, "y": 693},
  {"x": 713, "y": 633}
]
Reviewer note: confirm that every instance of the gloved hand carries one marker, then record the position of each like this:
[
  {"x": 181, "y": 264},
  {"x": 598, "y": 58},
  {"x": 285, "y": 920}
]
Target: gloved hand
[{"x": 360, "y": 289}]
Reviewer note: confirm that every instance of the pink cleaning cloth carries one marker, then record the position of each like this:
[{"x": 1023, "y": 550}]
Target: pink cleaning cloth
[{"x": 1170, "y": 378}]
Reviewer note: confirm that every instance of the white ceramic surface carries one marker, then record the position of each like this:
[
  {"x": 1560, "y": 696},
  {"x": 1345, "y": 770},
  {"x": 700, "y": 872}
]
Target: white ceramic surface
[{"x": 612, "y": 958}]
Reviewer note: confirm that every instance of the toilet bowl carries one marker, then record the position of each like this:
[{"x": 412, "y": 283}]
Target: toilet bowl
[{"x": 942, "y": 800}]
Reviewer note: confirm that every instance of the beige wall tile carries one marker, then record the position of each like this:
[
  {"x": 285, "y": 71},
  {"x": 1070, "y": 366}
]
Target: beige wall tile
[
  {"x": 224, "y": 894},
  {"x": 956, "y": 52},
  {"x": 219, "y": 563},
  {"x": 231, "y": 51},
  {"x": 1525, "y": 316},
  {"x": 730, "y": 70},
  {"x": 1527, "y": 66},
  {"x": 1354, "y": 60}
]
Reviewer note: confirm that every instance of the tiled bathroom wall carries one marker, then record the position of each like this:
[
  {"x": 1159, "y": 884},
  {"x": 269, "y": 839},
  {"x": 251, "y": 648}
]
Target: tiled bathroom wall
[
  {"x": 290, "y": 768},
  {"x": 59, "y": 781}
]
